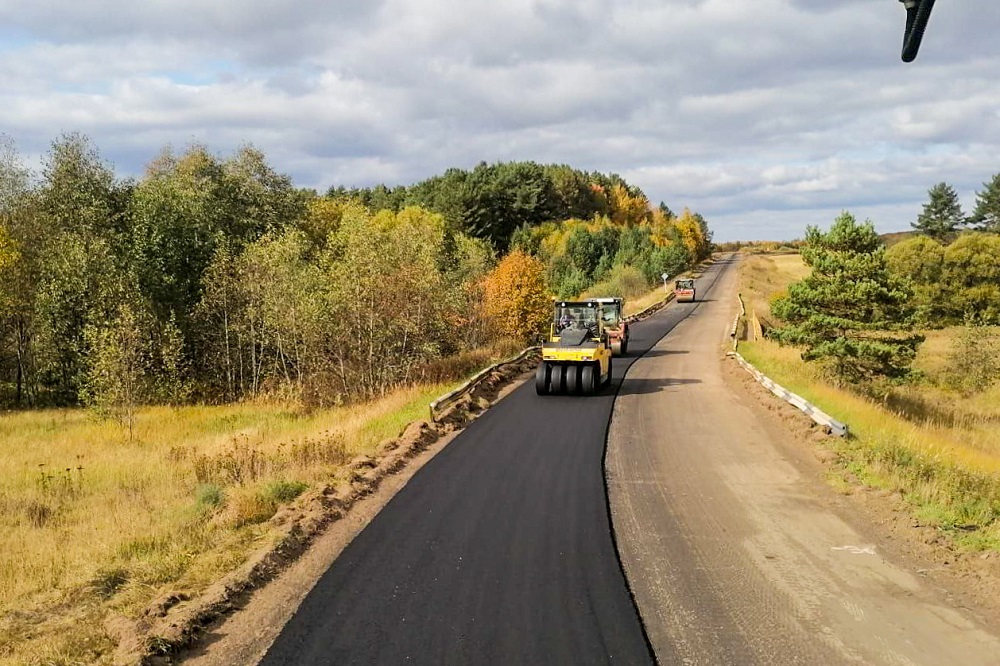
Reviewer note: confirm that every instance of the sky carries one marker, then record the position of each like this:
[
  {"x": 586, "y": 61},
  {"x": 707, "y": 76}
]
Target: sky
[{"x": 762, "y": 115}]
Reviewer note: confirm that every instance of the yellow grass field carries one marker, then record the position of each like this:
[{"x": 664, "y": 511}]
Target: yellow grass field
[
  {"x": 939, "y": 448},
  {"x": 93, "y": 525}
]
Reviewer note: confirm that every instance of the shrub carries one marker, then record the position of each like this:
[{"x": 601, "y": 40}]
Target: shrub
[{"x": 284, "y": 491}]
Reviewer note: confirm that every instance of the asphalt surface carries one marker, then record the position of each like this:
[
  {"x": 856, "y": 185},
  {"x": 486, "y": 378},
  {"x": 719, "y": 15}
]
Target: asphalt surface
[{"x": 499, "y": 550}]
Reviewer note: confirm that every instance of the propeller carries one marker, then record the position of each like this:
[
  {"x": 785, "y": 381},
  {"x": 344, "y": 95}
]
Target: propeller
[{"x": 918, "y": 12}]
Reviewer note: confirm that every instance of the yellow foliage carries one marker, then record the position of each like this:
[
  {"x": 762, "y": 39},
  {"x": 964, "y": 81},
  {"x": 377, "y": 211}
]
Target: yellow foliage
[
  {"x": 628, "y": 209},
  {"x": 517, "y": 300},
  {"x": 661, "y": 228},
  {"x": 691, "y": 234},
  {"x": 8, "y": 257},
  {"x": 8, "y": 253}
]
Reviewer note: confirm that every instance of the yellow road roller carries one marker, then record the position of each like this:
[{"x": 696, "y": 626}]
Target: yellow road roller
[{"x": 576, "y": 357}]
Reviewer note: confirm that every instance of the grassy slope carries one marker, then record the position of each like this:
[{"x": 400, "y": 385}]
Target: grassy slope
[{"x": 941, "y": 450}]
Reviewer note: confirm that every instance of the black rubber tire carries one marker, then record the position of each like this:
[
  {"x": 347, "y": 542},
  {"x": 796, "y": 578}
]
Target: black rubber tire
[
  {"x": 573, "y": 379},
  {"x": 542, "y": 378},
  {"x": 589, "y": 381},
  {"x": 607, "y": 382},
  {"x": 618, "y": 348},
  {"x": 624, "y": 347},
  {"x": 559, "y": 379}
]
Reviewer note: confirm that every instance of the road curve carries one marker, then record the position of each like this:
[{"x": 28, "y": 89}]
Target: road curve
[
  {"x": 498, "y": 551},
  {"x": 736, "y": 549}
]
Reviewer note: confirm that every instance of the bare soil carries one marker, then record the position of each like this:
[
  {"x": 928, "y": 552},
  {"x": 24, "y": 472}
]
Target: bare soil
[{"x": 971, "y": 580}]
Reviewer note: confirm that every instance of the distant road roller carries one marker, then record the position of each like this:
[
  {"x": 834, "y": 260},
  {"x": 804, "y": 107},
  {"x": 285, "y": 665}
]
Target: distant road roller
[
  {"x": 576, "y": 357},
  {"x": 684, "y": 291}
]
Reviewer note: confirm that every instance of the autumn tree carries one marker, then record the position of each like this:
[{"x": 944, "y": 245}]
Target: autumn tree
[
  {"x": 517, "y": 300},
  {"x": 850, "y": 312}
]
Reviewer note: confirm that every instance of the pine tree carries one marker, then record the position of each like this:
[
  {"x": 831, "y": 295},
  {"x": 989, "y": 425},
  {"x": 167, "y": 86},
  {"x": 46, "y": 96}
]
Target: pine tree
[
  {"x": 942, "y": 214},
  {"x": 987, "y": 213},
  {"x": 851, "y": 312}
]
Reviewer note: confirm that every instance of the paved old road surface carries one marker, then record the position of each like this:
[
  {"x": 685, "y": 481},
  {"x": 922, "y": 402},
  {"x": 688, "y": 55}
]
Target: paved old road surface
[
  {"x": 498, "y": 551},
  {"x": 736, "y": 552}
]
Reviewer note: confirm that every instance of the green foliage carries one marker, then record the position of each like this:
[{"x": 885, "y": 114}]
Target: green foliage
[
  {"x": 920, "y": 260},
  {"x": 942, "y": 214},
  {"x": 209, "y": 496},
  {"x": 212, "y": 278},
  {"x": 623, "y": 281},
  {"x": 282, "y": 492},
  {"x": 851, "y": 312},
  {"x": 493, "y": 201},
  {"x": 973, "y": 364},
  {"x": 960, "y": 282},
  {"x": 986, "y": 216},
  {"x": 119, "y": 356}
]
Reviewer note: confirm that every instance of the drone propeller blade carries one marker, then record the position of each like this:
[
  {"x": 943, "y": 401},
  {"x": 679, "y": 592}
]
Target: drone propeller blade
[{"x": 918, "y": 12}]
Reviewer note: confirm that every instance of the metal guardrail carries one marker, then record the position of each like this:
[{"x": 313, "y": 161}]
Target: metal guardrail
[
  {"x": 815, "y": 413},
  {"x": 474, "y": 381},
  {"x": 655, "y": 307}
]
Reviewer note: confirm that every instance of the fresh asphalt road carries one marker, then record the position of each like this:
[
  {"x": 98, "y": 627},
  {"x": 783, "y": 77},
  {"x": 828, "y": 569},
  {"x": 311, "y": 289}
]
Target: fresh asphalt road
[{"x": 498, "y": 551}]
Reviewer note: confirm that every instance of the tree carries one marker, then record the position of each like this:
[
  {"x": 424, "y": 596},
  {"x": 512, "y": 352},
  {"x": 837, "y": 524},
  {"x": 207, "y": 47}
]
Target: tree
[
  {"x": 986, "y": 216},
  {"x": 517, "y": 300},
  {"x": 942, "y": 214},
  {"x": 920, "y": 260},
  {"x": 971, "y": 278},
  {"x": 851, "y": 312},
  {"x": 116, "y": 382}
]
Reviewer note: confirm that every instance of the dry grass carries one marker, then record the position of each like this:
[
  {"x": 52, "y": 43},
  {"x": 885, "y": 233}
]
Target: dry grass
[
  {"x": 763, "y": 276},
  {"x": 93, "y": 525},
  {"x": 937, "y": 447}
]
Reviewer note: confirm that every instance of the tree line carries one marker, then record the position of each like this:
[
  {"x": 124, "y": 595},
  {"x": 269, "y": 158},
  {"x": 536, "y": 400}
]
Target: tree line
[{"x": 216, "y": 279}]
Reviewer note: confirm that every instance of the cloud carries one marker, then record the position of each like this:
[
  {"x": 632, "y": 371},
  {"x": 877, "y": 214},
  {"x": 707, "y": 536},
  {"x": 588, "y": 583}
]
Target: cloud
[{"x": 753, "y": 113}]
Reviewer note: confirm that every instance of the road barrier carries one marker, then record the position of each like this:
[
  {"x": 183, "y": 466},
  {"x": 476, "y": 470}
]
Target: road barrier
[
  {"x": 472, "y": 383},
  {"x": 642, "y": 314},
  {"x": 816, "y": 414}
]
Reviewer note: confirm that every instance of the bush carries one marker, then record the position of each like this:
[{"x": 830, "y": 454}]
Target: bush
[
  {"x": 209, "y": 496},
  {"x": 284, "y": 491},
  {"x": 624, "y": 281},
  {"x": 973, "y": 365}
]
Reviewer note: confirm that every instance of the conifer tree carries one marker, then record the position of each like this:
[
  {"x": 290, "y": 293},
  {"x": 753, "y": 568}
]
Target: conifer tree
[
  {"x": 851, "y": 312},
  {"x": 942, "y": 214},
  {"x": 987, "y": 214}
]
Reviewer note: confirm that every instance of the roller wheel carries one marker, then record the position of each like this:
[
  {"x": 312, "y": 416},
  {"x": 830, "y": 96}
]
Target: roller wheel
[
  {"x": 542, "y": 376},
  {"x": 607, "y": 381},
  {"x": 559, "y": 379},
  {"x": 588, "y": 379},
  {"x": 624, "y": 347},
  {"x": 573, "y": 379},
  {"x": 617, "y": 347}
]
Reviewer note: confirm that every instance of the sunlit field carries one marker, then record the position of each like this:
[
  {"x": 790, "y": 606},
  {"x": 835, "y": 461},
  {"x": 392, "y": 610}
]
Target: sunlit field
[
  {"x": 938, "y": 447},
  {"x": 93, "y": 524}
]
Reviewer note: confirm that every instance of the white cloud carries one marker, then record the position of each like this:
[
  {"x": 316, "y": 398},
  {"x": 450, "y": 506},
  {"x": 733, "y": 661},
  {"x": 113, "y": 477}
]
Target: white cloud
[{"x": 757, "y": 114}]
